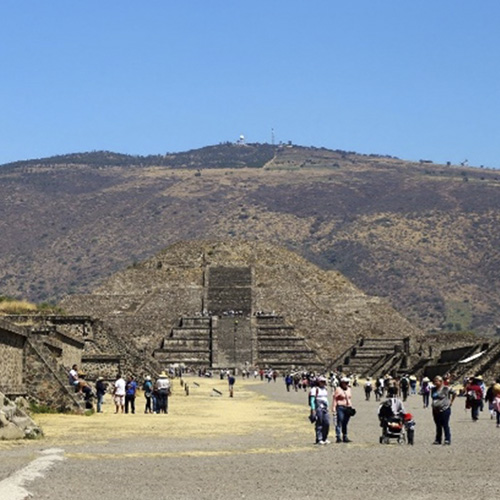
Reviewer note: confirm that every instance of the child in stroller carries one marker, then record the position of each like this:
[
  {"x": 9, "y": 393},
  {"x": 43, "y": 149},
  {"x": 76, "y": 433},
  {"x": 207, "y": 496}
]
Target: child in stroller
[{"x": 391, "y": 416}]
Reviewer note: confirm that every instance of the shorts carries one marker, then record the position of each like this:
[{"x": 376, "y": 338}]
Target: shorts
[{"x": 119, "y": 400}]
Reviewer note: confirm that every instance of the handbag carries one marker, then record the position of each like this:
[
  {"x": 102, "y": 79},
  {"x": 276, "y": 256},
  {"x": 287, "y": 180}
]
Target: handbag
[{"x": 350, "y": 411}]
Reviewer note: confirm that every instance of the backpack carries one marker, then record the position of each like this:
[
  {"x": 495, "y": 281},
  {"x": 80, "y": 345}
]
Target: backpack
[{"x": 472, "y": 396}]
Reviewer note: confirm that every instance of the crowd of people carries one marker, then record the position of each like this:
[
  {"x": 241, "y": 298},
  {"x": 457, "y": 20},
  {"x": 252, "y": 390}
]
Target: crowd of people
[
  {"x": 124, "y": 392},
  {"x": 439, "y": 394}
]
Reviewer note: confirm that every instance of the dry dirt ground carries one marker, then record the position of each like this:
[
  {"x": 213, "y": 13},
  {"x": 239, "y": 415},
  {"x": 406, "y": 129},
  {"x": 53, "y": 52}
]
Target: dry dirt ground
[{"x": 258, "y": 445}]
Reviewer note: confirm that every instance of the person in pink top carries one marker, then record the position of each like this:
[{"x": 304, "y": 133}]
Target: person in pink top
[{"x": 341, "y": 408}]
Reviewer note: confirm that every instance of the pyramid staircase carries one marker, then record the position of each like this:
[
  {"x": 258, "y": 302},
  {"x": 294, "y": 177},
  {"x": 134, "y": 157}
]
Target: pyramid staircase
[
  {"x": 373, "y": 356},
  {"x": 189, "y": 343},
  {"x": 278, "y": 345}
]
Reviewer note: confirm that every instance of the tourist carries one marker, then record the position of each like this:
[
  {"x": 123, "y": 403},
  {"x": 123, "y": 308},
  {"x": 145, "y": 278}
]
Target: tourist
[
  {"x": 88, "y": 395},
  {"x": 489, "y": 398},
  {"x": 473, "y": 397},
  {"x": 73, "y": 378},
  {"x": 496, "y": 401},
  {"x": 404, "y": 384},
  {"x": 130, "y": 390},
  {"x": 119, "y": 394},
  {"x": 425, "y": 390},
  {"x": 318, "y": 401},
  {"x": 368, "y": 389},
  {"x": 380, "y": 385},
  {"x": 100, "y": 389},
  {"x": 413, "y": 385},
  {"x": 147, "y": 387},
  {"x": 442, "y": 399},
  {"x": 163, "y": 386},
  {"x": 288, "y": 382},
  {"x": 231, "y": 380},
  {"x": 342, "y": 408}
]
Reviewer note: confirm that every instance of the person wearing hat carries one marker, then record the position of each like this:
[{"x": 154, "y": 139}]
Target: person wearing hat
[
  {"x": 341, "y": 408},
  {"x": 318, "y": 400},
  {"x": 163, "y": 388},
  {"x": 100, "y": 389},
  {"x": 147, "y": 387},
  {"x": 425, "y": 390},
  {"x": 413, "y": 385}
]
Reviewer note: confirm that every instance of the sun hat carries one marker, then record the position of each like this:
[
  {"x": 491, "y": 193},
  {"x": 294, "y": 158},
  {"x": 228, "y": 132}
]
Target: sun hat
[{"x": 345, "y": 379}]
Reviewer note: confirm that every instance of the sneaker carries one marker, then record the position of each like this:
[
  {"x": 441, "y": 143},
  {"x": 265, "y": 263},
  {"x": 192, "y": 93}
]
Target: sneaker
[
  {"x": 347, "y": 440},
  {"x": 436, "y": 442},
  {"x": 447, "y": 443},
  {"x": 326, "y": 441},
  {"x": 321, "y": 442},
  {"x": 338, "y": 440}
]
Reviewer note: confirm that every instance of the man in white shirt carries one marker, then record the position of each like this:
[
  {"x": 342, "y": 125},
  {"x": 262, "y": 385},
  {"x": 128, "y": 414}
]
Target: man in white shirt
[{"x": 119, "y": 394}]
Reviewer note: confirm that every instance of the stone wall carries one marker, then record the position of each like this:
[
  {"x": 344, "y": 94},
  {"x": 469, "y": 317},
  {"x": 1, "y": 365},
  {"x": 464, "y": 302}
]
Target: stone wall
[
  {"x": 95, "y": 366},
  {"x": 71, "y": 350},
  {"x": 12, "y": 341}
]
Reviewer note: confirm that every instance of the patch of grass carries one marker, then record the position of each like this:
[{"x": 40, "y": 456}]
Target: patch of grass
[
  {"x": 17, "y": 307},
  {"x": 41, "y": 409},
  {"x": 458, "y": 316}
]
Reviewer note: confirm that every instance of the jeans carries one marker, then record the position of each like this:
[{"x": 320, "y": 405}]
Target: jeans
[
  {"x": 322, "y": 424},
  {"x": 129, "y": 401},
  {"x": 474, "y": 410},
  {"x": 163, "y": 401},
  {"x": 442, "y": 421},
  {"x": 100, "y": 398},
  {"x": 498, "y": 417},
  {"x": 425, "y": 398},
  {"x": 341, "y": 423},
  {"x": 148, "y": 408}
]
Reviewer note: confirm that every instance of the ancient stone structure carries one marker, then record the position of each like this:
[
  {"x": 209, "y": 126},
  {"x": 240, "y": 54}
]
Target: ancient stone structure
[
  {"x": 196, "y": 303},
  {"x": 480, "y": 358},
  {"x": 230, "y": 334},
  {"x": 372, "y": 357},
  {"x": 32, "y": 365},
  {"x": 37, "y": 352}
]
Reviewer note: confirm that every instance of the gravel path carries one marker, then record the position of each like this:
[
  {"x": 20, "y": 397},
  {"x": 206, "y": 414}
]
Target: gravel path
[{"x": 258, "y": 445}]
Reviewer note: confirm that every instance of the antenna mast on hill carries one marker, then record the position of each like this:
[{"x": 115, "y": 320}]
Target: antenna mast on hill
[{"x": 272, "y": 136}]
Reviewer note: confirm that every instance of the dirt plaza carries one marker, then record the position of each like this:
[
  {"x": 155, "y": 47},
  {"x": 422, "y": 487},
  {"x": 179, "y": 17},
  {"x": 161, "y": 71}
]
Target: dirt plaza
[{"x": 258, "y": 444}]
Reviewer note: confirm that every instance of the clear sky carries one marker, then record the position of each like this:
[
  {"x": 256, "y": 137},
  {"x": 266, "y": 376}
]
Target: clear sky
[{"x": 417, "y": 79}]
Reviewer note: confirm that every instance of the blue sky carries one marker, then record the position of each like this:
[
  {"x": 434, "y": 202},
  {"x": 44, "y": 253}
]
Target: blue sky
[{"x": 416, "y": 79}]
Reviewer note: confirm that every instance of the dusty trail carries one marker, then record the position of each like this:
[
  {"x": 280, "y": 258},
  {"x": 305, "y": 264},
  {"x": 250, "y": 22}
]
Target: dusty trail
[{"x": 257, "y": 445}]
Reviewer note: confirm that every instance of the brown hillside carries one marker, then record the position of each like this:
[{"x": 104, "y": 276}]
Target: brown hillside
[{"x": 424, "y": 236}]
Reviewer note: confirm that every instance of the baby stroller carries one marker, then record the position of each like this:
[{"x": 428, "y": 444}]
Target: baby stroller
[{"x": 392, "y": 425}]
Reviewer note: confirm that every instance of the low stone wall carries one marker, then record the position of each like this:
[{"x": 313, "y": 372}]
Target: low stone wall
[{"x": 96, "y": 366}]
